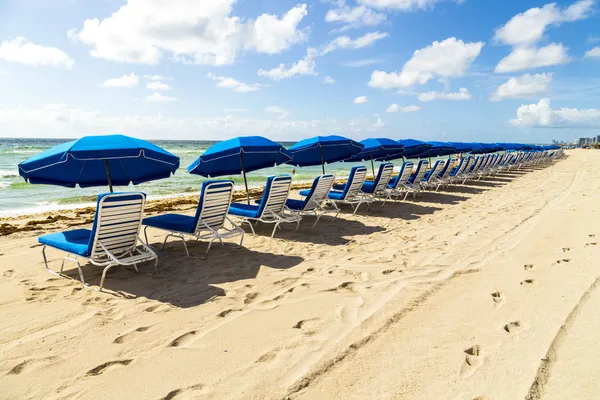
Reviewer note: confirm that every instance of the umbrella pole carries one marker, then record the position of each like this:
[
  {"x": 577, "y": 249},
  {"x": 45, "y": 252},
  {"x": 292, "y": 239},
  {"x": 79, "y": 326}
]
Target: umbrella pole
[
  {"x": 108, "y": 175},
  {"x": 245, "y": 181},
  {"x": 322, "y": 161},
  {"x": 372, "y": 166}
]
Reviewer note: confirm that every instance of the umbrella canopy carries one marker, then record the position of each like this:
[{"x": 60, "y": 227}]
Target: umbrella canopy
[
  {"x": 319, "y": 150},
  {"x": 466, "y": 147},
  {"x": 100, "y": 161},
  {"x": 487, "y": 148},
  {"x": 239, "y": 155},
  {"x": 378, "y": 149},
  {"x": 414, "y": 148},
  {"x": 440, "y": 149}
]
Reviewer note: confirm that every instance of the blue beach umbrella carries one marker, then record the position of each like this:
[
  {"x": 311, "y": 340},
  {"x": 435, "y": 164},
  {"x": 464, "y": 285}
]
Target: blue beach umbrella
[
  {"x": 319, "y": 150},
  {"x": 414, "y": 148},
  {"x": 99, "y": 161},
  {"x": 378, "y": 149},
  {"x": 466, "y": 147},
  {"x": 239, "y": 155},
  {"x": 441, "y": 149}
]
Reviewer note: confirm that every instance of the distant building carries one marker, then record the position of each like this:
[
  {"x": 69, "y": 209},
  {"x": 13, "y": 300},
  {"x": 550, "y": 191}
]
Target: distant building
[{"x": 582, "y": 142}]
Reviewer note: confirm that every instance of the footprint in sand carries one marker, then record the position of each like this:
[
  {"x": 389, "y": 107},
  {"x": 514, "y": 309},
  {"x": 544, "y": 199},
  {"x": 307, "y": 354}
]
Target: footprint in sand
[
  {"x": 269, "y": 356},
  {"x": 529, "y": 267},
  {"x": 566, "y": 249},
  {"x": 591, "y": 244},
  {"x": 19, "y": 368},
  {"x": 528, "y": 282},
  {"x": 473, "y": 360},
  {"x": 250, "y": 297},
  {"x": 128, "y": 337},
  {"x": 513, "y": 327},
  {"x": 498, "y": 298},
  {"x": 309, "y": 271},
  {"x": 183, "y": 339},
  {"x": 387, "y": 271},
  {"x": 592, "y": 235},
  {"x": 8, "y": 273},
  {"x": 304, "y": 325},
  {"x": 103, "y": 367},
  {"x": 175, "y": 393},
  {"x": 343, "y": 286},
  {"x": 563, "y": 261},
  {"x": 225, "y": 313}
]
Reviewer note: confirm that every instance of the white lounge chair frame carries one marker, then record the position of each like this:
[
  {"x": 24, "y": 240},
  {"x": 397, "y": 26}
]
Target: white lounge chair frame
[
  {"x": 355, "y": 197},
  {"x": 121, "y": 218},
  {"x": 315, "y": 205},
  {"x": 211, "y": 222}
]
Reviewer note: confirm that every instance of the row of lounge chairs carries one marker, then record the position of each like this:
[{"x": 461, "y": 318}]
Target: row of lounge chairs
[{"x": 115, "y": 235}]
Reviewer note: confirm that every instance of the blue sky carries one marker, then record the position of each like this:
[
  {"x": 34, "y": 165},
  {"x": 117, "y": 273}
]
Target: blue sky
[{"x": 185, "y": 69}]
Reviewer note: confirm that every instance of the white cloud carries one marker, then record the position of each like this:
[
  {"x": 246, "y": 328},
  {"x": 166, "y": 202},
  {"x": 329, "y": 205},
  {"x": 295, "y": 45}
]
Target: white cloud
[
  {"x": 159, "y": 98},
  {"x": 379, "y": 123},
  {"x": 354, "y": 17},
  {"x": 543, "y": 115},
  {"x": 523, "y": 86},
  {"x": 157, "y": 78},
  {"x": 529, "y": 27},
  {"x": 462, "y": 94},
  {"x": 523, "y": 58},
  {"x": 22, "y": 51},
  {"x": 362, "y": 63},
  {"x": 328, "y": 80},
  {"x": 126, "y": 81},
  {"x": 236, "y": 110},
  {"x": 235, "y": 85},
  {"x": 277, "y": 110},
  {"x": 305, "y": 66},
  {"x": 593, "y": 53},
  {"x": 345, "y": 42},
  {"x": 394, "y": 108},
  {"x": 156, "y": 85},
  {"x": 360, "y": 100},
  {"x": 402, "y": 5},
  {"x": 74, "y": 123},
  {"x": 449, "y": 58},
  {"x": 201, "y": 32}
]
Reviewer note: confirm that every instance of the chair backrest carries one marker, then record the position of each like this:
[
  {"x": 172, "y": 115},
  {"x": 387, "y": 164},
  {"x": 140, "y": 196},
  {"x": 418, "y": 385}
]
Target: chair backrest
[
  {"x": 215, "y": 198},
  {"x": 419, "y": 173},
  {"x": 404, "y": 174},
  {"x": 116, "y": 224},
  {"x": 318, "y": 192},
  {"x": 383, "y": 176},
  {"x": 437, "y": 167},
  {"x": 277, "y": 190},
  {"x": 465, "y": 166},
  {"x": 355, "y": 182},
  {"x": 447, "y": 169},
  {"x": 477, "y": 164}
]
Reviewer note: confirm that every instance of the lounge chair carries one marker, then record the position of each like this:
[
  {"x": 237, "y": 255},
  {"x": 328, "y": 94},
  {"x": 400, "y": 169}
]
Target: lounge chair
[
  {"x": 428, "y": 181},
  {"x": 442, "y": 178},
  {"x": 113, "y": 239},
  {"x": 210, "y": 219},
  {"x": 350, "y": 192},
  {"x": 379, "y": 187},
  {"x": 414, "y": 182},
  {"x": 396, "y": 184},
  {"x": 456, "y": 173},
  {"x": 271, "y": 208},
  {"x": 314, "y": 199}
]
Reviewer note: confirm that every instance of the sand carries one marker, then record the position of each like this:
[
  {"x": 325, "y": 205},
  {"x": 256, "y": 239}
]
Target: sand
[{"x": 483, "y": 291}]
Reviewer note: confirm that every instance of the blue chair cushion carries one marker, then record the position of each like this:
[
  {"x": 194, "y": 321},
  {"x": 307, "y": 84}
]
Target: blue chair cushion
[
  {"x": 172, "y": 222},
  {"x": 335, "y": 195},
  {"x": 305, "y": 193},
  {"x": 74, "y": 242},
  {"x": 244, "y": 210},
  {"x": 339, "y": 186},
  {"x": 368, "y": 187},
  {"x": 393, "y": 181},
  {"x": 295, "y": 204}
]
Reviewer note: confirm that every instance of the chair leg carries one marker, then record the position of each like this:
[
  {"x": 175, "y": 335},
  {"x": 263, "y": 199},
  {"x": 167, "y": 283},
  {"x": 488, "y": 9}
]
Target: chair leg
[
  {"x": 146, "y": 234},
  {"x": 210, "y": 244},
  {"x": 109, "y": 266},
  {"x": 318, "y": 217},
  {"x": 356, "y": 208},
  {"x": 241, "y": 240},
  {"x": 275, "y": 228}
]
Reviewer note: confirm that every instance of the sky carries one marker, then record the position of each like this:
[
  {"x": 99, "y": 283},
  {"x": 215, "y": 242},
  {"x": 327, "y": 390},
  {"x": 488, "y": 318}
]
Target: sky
[{"x": 446, "y": 70}]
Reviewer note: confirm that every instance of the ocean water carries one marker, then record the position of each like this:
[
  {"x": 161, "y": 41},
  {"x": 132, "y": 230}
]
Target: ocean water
[{"x": 20, "y": 197}]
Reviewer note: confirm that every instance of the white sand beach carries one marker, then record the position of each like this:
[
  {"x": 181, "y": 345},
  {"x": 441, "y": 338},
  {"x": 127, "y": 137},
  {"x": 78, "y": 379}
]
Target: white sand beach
[{"x": 484, "y": 291}]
